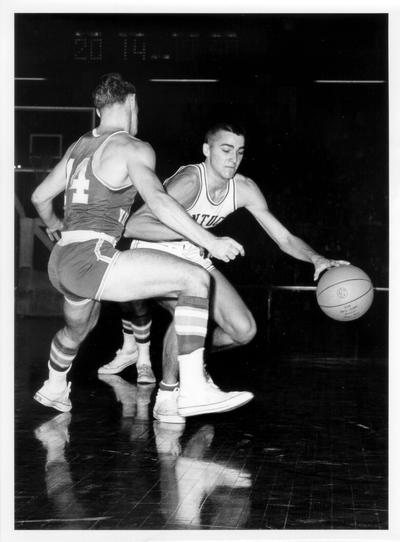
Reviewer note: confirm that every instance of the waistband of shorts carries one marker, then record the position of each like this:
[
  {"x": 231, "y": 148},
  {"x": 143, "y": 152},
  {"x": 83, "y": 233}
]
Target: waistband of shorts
[
  {"x": 181, "y": 244},
  {"x": 80, "y": 236}
]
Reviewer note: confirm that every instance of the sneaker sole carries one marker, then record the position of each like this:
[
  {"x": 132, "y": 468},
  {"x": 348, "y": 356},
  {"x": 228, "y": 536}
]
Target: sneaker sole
[
  {"x": 62, "y": 407},
  {"x": 223, "y": 406},
  {"x": 169, "y": 419},
  {"x": 115, "y": 370}
]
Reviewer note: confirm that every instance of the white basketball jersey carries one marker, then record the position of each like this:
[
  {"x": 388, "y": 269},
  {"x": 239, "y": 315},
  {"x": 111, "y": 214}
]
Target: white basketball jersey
[{"x": 204, "y": 210}]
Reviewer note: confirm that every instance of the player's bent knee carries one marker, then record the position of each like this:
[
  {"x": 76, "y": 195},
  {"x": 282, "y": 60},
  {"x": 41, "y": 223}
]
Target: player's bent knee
[
  {"x": 245, "y": 330},
  {"x": 197, "y": 281}
]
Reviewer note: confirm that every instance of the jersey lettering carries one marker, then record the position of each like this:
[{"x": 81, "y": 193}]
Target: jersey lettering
[
  {"x": 214, "y": 220},
  {"x": 207, "y": 220},
  {"x": 80, "y": 184}
]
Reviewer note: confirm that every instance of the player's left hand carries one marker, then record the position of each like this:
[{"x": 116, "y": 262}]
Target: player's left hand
[
  {"x": 54, "y": 233},
  {"x": 321, "y": 263}
]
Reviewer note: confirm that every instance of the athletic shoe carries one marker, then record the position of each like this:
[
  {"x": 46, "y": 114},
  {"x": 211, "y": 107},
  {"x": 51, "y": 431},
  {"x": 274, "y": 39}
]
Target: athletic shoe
[
  {"x": 120, "y": 362},
  {"x": 208, "y": 398},
  {"x": 59, "y": 400},
  {"x": 209, "y": 380},
  {"x": 166, "y": 407},
  {"x": 145, "y": 374}
]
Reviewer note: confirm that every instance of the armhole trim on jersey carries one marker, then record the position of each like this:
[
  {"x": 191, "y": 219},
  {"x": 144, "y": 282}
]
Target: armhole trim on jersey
[
  {"x": 102, "y": 181},
  {"x": 68, "y": 159},
  {"x": 234, "y": 193},
  {"x": 166, "y": 181},
  {"x": 199, "y": 169}
]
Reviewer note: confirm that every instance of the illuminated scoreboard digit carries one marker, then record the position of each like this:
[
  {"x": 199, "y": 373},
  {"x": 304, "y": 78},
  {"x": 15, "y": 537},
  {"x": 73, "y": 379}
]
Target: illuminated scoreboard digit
[
  {"x": 134, "y": 45},
  {"x": 88, "y": 46}
]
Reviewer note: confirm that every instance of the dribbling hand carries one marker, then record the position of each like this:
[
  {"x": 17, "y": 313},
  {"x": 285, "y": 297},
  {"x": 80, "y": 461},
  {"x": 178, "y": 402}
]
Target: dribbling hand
[
  {"x": 322, "y": 263},
  {"x": 225, "y": 249}
]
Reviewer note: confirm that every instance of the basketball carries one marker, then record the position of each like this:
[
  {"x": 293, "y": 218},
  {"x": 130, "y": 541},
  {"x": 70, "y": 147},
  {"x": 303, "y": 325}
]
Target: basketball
[{"x": 345, "y": 293}]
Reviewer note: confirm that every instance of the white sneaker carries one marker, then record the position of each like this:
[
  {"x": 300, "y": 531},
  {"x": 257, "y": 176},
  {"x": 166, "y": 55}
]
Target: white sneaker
[
  {"x": 145, "y": 374},
  {"x": 120, "y": 362},
  {"x": 166, "y": 407},
  {"x": 59, "y": 400},
  {"x": 209, "y": 380},
  {"x": 208, "y": 398}
]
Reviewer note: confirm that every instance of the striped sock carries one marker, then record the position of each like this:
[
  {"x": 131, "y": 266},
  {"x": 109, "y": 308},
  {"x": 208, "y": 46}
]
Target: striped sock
[
  {"x": 141, "y": 329},
  {"x": 191, "y": 319},
  {"x": 129, "y": 342},
  {"x": 61, "y": 358}
]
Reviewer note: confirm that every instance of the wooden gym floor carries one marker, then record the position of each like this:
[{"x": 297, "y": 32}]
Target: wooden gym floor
[{"x": 309, "y": 452}]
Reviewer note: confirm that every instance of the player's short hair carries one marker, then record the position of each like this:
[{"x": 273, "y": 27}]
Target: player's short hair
[
  {"x": 225, "y": 126},
  {"x": 112, "y": 89}
]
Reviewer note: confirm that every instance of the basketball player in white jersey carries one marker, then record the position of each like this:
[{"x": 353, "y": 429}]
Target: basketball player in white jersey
[
  {"x": 210, "y": 191},
  {"x": 101, "y": 174}
]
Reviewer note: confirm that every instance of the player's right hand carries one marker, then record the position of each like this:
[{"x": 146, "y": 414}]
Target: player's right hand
[{"x": 225, "y": 249}]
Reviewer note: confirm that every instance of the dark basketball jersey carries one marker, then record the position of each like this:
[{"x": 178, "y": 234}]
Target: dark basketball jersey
[
  {"x": 204, "y": 210},
  {"x": 90, "y": 202}
]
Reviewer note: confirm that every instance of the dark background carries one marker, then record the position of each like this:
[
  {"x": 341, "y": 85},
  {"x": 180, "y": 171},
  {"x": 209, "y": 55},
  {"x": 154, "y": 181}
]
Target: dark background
[{"x": 319, "y": 151}]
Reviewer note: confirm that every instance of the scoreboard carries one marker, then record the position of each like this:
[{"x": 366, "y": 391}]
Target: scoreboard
[{"x": 141, "y": 46}]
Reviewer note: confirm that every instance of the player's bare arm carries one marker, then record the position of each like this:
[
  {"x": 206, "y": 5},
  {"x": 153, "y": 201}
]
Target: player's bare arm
[
  {"x": 140, "y": 161},
  {"x": 183, "y": 187},
  {"x": 43, "y": 196},
  {"x": 251, "y": 197}
]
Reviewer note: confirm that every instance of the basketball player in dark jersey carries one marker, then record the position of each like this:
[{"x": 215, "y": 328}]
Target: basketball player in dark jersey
[
  {"x": 101, "y": 174},
  {"x": 209, "y": 192}
]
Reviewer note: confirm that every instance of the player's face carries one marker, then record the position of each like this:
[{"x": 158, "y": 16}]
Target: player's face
[{"x": 224, "y": 153}]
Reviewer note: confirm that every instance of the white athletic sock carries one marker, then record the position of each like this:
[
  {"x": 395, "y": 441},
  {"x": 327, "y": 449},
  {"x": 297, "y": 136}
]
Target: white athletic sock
[
  {"x": 144, "y": 353},
  {"x": 129, "y": 344},
  {"x": 191, "y": 371},
  {"x": 57, "y": 379}
]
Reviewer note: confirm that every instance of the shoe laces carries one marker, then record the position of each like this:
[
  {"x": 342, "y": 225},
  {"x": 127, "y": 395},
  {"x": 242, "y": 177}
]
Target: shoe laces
[{"x": 209, "y": 380}]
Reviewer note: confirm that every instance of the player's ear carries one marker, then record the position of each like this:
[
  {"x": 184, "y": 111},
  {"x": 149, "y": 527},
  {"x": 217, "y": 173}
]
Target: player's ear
[{"x": 206, "y": 150}]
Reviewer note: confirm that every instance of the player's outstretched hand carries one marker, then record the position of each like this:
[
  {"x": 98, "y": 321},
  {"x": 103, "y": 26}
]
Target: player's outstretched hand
[
  {"x": 321, "y": 263},
  {"x": 225, "y": 249}
]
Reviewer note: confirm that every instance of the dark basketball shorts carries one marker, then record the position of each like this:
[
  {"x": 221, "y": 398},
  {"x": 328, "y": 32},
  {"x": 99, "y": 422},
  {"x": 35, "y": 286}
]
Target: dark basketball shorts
[{"x": 79, "y": 270}]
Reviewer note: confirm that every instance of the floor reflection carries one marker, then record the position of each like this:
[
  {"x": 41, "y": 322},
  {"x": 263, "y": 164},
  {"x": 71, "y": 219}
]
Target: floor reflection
[
  {"x": 54, "y": 436},
  {"x": 193, "y": 484}
]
